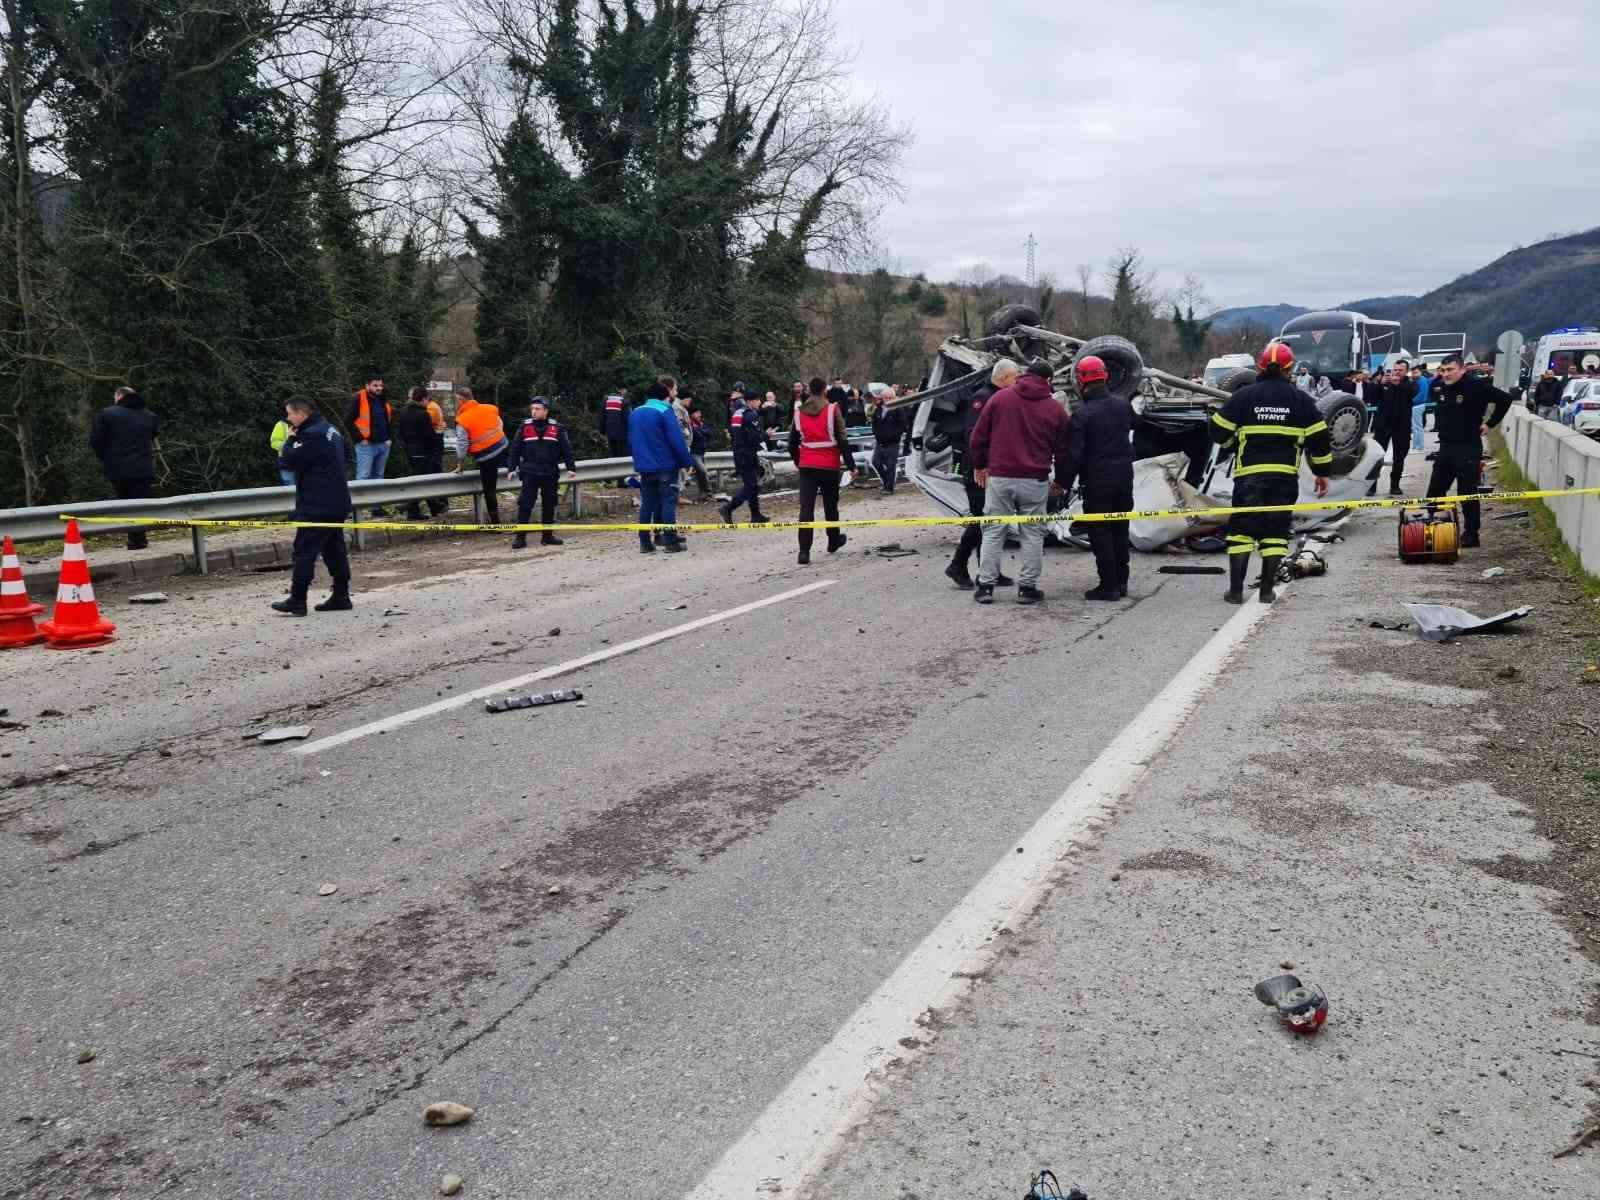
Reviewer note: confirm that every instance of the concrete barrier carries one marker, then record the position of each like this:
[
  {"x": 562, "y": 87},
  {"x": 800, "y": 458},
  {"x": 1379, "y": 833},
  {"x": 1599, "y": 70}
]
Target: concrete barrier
[{"x": 1553, "y": 456}]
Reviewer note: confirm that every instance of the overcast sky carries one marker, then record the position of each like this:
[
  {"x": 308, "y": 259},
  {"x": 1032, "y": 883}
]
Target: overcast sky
[{"x": 1297, "y": 152}]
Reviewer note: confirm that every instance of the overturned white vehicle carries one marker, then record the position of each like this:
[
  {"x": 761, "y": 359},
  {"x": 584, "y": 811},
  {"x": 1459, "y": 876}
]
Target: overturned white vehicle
[{"x": 1177, "y": 467}]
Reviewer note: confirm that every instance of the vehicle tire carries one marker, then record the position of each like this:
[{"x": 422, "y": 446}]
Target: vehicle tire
[
  {"x": 1124, "y": 364},
  {"x": 1235, "y": 380},
  {"x": 1001, "y": 320},
  {"x": 1347, "y": 423}
]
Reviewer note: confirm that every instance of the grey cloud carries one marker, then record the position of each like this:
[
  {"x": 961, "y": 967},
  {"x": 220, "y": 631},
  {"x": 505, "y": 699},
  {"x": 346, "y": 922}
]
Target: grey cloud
[{"x": 1302, "y": 152}]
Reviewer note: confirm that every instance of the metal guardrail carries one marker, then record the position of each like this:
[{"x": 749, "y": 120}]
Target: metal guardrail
[{"x": 45, "y": 522}]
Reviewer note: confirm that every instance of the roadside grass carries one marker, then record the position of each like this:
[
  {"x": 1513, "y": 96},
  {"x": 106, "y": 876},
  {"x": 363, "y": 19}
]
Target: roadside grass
[{"x": 1547, "y": 533}]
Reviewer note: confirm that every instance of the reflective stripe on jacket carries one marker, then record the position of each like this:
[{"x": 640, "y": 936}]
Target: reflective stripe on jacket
[{"x": 1269, "y": 422}]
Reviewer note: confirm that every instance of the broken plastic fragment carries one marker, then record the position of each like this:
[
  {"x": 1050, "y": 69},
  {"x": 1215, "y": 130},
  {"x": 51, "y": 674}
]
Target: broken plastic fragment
[
  {"x": 1302, "y": 1008},
  {"x": 1440, "y": 622},
  {"x": 507, "y": 703},
  {"x": 285, "y": 733}
]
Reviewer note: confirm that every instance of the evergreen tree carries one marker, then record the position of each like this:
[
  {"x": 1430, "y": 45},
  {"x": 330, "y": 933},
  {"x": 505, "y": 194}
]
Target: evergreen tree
[{"x": 187, "y": 256}]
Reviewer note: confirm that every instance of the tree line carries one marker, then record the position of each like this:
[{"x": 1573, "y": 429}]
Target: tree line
[{"x": 229, "y": 203}]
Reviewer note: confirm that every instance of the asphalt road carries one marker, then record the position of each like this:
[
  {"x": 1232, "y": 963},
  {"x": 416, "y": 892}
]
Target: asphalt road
[{"x": 618, "y": 931}]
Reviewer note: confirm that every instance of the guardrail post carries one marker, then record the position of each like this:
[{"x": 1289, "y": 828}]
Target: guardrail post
[
  {"x": 197, "y": 537},
  {"x": 360, "y": 535},
  {"x": 477, "y": 508},
  {"x": 577, "y": 499}
]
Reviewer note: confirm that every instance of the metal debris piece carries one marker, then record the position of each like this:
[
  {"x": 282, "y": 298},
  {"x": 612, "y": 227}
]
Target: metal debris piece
[
  {"x": 1510, "y": 516},
  {"x": 894, "y": 550},
  {"x": 1441, "y": 622},
  {"x": 148, "y": 598},
  {"x": 1191, "y": 570},
  {"x": 507, "y": 703},
  {"x": 284, "y": 733},
  {"x": 397, "y": 612}
]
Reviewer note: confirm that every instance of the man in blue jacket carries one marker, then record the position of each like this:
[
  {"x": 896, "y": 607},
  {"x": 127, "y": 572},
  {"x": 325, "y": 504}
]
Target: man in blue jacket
[
  {"x": 314, "y": 453},
  {"x": 659, "y": 453}
]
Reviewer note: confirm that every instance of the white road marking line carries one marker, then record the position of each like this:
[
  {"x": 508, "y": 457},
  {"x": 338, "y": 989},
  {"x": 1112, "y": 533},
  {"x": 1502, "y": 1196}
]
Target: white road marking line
[
  {"x": 566, "y": 668},
  {"x": 806, "y": 1124}
]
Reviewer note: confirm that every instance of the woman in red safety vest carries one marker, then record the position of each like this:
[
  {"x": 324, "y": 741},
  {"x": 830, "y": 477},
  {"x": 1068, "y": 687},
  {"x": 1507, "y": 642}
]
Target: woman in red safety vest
[{"x": 820, "y": 447}]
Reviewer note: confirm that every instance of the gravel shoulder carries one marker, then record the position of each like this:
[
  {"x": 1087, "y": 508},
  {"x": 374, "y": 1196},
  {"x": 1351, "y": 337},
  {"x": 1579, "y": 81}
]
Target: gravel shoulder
[{"x": 1415, "y": 827}]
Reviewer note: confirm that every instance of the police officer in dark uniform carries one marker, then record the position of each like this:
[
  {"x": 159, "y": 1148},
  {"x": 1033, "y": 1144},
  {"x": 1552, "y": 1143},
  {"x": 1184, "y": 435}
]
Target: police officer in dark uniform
[
  {"x": 1002, "y": 375},
  {"x": 1267, "y": 423},
  {"x": 1461, "y": 412},
  {"x": 747, "y": 432},
  {"x": 1100, "y": 452},
  {"x": 538, "y": 449},
  {"x": 314, "y": 452}
]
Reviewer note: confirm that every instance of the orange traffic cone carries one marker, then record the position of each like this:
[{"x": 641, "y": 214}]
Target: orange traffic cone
[
  {"x": 76, "y": 620},
  {"x": 16, "y": 610}
]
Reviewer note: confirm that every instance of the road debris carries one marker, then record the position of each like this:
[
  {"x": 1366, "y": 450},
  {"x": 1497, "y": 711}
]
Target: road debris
[
  {"x": 449, "y": 1185},
  {"x": 284, "y": 733},
  {"x": 1493, "y": 573},
  {"x": 553, "y": 890},
  {"x": 1191, "y": 570},
  {"x": 446, "y": 1112},
  {"x": 1507, "y": 672},
  {"x": 397, "y": 612},
  {"x": 894, "y": 550},
  {"x": 1441, "y": 622},
  {"x": 556, "y": 632},
  {"x": 916, "y": 858},
  {"x": 1302, "y": 1008},
  {"x": 507, "y": 703},
  {"x": 85, "y": 1056},
  {"x": 1389, "y": 625},
  {"x": 149, "y": 598},
  {"x": 1510, "y": 516},
  {"x": 327, "y": 889},
  {"x": 1592, "y": 1134},
  {"x": 1045, "y": 1186},
  {"x": 676, "y": 607}
]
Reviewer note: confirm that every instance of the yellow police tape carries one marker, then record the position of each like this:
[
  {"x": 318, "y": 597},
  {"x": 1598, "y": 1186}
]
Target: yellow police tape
[{"x": 1201, "y": 515}]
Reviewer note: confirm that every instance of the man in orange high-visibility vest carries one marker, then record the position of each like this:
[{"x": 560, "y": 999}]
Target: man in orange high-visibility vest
[{"x": 369, "y": 417}]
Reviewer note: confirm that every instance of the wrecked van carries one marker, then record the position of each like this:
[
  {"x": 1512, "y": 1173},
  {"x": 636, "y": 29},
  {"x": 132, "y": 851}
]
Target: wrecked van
[{"x": 1187, "y": 482}]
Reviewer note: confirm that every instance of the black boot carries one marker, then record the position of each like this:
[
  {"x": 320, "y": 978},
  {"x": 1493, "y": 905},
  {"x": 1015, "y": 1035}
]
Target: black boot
[
  {"x": 520, "y": 542},
  {"x": 1269, "y": 579},
  {"x": 551, "y": 539},
  {"x": 291, "y": 605},
  {"x": 1238, "y": 568},
  {"x": 338, "y": 602},
  {"x": 957, "y": 573}
]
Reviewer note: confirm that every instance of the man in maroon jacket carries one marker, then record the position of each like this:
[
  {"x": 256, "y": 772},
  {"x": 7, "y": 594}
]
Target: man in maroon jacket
[{"x": 1021, "y": 433}]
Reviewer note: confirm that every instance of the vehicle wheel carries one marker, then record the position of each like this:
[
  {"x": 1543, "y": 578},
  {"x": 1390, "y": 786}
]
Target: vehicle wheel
[
  {"x": 1002, "y": 319},
  {"x": 1235, "y": 380},
  {"x": 1124, "y": 364},
  {"x": 1347, "y": 422}
]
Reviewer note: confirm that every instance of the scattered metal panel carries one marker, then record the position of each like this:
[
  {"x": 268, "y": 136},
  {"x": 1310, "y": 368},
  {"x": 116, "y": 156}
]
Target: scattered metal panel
[{"x": 1441, "y": 622}]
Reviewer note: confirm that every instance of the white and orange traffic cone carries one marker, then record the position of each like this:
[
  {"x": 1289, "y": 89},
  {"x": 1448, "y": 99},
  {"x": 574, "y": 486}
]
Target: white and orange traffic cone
[
  {"x": 16, "y": 610},
  {"x": 76, "y": 621}
]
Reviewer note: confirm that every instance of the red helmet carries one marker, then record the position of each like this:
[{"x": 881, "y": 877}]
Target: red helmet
[
  {"x": 1090, "y": 369},
  {"x": 1277, "y": 354}
]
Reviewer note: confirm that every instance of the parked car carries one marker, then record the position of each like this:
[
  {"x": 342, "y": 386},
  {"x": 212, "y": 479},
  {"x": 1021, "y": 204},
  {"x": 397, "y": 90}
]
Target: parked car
[{"x": 1580, "y": 406}]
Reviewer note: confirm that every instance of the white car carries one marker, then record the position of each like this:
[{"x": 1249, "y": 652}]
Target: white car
[{"x": 1580, "y": 406}]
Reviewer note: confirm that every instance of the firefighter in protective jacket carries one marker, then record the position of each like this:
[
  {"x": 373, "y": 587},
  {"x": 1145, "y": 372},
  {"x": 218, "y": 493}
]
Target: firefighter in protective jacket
[{"x": 1268, "y": 423}]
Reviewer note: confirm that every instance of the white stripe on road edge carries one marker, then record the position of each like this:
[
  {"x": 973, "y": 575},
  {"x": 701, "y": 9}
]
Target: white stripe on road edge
[
  {"x": 588, "y": 660},
  {"x": 805, "y": 1126}
]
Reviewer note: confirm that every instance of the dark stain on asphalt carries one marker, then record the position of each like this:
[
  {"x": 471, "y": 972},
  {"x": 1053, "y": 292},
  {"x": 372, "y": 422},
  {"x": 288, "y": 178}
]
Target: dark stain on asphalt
[{"x": 106, "y": 1166}]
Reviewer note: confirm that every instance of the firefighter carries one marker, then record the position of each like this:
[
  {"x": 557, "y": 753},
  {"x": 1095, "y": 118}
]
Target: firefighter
[
  {"x": 1100, "y": 452},
  {"x": 1267, "y": 423},
  {"x": 538, "y": 449},
  {"x": 1461, "y": 415}
]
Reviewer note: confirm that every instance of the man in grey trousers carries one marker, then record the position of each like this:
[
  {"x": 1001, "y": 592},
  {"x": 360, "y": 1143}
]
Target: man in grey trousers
[{"x": 1020, "y": 435}]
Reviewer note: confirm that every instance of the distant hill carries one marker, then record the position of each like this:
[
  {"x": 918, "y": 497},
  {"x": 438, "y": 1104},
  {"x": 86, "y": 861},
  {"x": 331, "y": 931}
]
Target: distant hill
[
  {"x": 1266, "y": 316},
  {"x": 1533, "y": 289}
]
